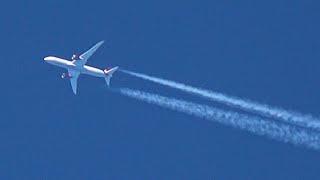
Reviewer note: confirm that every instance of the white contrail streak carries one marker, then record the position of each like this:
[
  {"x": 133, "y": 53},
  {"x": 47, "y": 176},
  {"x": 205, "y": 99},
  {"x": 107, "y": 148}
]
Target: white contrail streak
[
  {"x": 256, "y": 125},
  {"x": 246, "y": 105}
]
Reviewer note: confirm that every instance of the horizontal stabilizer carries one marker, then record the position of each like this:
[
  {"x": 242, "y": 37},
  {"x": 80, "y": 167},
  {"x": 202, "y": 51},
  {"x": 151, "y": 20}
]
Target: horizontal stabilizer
[{"x": 109, "y": 73}]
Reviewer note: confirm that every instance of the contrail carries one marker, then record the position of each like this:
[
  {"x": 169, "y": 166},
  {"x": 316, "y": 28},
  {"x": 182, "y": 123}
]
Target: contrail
[
  {"x": 246, "y": 105},
  {"x": 255, "y": 125}
]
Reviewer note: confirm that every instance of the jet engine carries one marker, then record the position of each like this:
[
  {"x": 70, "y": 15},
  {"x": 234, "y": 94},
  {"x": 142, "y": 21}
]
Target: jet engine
[
  {"x": 66, "y": 76},
  {"x": 75, "y": 57}
]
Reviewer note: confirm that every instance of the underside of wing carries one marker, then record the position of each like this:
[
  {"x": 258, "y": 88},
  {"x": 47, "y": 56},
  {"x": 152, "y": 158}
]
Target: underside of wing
[
  {"x": 74, "y": 79},
  {"x": 83, "y": 58}
]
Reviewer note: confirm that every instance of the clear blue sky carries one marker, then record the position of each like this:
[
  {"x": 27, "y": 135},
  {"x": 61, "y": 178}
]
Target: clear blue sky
[{"x": 266, "y": 51}]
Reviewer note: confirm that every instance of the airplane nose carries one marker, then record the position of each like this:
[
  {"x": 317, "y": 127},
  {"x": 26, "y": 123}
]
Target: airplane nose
[
  {"x": 51, "y": 59},
  {"x": 48, "y": 59}
]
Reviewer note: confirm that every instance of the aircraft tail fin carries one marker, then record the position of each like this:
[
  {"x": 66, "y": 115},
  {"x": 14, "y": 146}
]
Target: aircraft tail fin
[{"x": 108, "y": 73}]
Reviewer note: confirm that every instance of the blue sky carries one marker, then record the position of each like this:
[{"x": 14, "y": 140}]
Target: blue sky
[{"x": 267, "y": 51}]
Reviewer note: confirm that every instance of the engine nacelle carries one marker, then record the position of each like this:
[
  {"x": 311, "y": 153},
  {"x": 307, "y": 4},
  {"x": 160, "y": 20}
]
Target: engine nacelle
[
  {"x": 66, "y": 76},
  {"x": 75, "y": 57}
]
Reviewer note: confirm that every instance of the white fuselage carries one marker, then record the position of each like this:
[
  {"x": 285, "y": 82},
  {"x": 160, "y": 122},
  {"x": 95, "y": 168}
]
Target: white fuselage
[{"x": 83, "y": 69}]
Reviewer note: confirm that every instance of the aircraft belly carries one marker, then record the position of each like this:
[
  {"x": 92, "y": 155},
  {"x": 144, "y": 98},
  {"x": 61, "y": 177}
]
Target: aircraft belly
[
  {"x": 61, "y": 63},
  {"x": 93, "y": 71}
]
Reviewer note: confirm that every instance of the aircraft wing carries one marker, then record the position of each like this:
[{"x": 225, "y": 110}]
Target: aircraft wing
[
  {"x": 85, "y": 56},
  {"x": 74, "y": 79}
]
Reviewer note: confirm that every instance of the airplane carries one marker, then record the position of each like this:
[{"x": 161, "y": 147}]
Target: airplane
[{"x": 78, "y": 66}]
